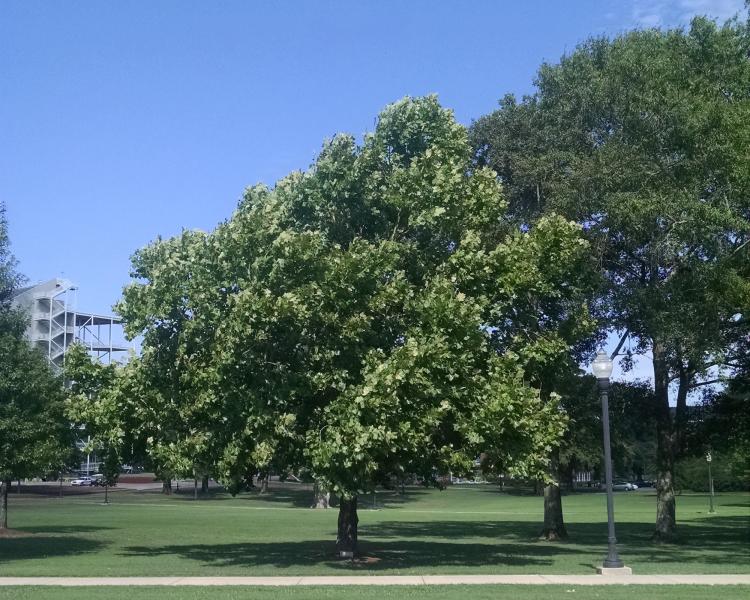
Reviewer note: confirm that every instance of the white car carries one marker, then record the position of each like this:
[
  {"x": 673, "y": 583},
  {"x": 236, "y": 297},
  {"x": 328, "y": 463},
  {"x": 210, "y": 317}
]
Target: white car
[
  {"x": 624, "y": 486},
  {"x": 82, "y": 481}
]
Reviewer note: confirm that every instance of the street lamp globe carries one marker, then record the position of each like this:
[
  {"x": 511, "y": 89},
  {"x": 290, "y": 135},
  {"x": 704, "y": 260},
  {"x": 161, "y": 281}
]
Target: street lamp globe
[{"x": 602, "y": 365}]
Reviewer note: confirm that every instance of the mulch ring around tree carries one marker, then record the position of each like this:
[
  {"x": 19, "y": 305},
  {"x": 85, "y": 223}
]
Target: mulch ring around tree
[{"x": 14, "y": 533}]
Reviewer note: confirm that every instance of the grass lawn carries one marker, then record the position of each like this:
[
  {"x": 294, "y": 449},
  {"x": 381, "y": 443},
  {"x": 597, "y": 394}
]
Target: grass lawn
[
  {"x": 476, "y": 592},
  {"x": 474, "y": 529}
]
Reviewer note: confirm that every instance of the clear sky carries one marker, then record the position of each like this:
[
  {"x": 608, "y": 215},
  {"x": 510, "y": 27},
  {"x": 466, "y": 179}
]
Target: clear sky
[{"x": 122, "y": 121}]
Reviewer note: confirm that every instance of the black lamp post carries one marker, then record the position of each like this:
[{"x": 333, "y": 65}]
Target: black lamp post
[
  {"x": 602, "y": 368},
  {"x": 711, "y": 509}
]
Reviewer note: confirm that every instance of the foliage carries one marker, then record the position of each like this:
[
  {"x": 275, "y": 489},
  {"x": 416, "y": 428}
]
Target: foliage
[
  {"x": 10, "y": 279},
  {"x": 631, "y": 424},
  {"x": 724, "y": 426},
  {"x": 34, "y": 435},
  {"x": 373, "y": 315},
  {"x": 643, "y": 140},
  {"x": 729, "y": 471},
  {"x": 107, "y": 404}
]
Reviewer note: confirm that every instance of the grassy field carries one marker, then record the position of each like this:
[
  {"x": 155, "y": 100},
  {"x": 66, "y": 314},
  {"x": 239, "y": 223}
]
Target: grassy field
[
  {"x": 460, "y": 530},
  {"x": 457, "y": 592}
]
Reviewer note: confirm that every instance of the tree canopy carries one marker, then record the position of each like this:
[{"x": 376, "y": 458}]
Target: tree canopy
[
  {"x": 644, "y": 140},
  {"x": 34, "y": 435},
  {"x": 375, "y": 315}
]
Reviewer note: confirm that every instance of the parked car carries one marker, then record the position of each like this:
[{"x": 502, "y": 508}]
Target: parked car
[
  {"x": 81, "y": 481},
  {"x": 642, "y": 483},
  {"x": 624, "y": 486},
  {"x": 101, "y": 481}
]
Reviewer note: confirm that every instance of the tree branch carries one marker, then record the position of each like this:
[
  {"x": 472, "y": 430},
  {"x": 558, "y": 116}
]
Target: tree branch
[
  {"x": 707, "y": 382},
  {"x": 619, "y": 345},
  {"x": 740, "y": 247}
]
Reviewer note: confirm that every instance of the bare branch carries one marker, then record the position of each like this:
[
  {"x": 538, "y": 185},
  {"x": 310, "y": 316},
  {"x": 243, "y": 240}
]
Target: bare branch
[
  {"x": 740, "y": 247},
  {"x": 619, "y": 345},
  {"x": 707, "y": 382}
]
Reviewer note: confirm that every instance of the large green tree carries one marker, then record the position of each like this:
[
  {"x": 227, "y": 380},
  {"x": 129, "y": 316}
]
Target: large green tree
[
  {"x": 34, "y": 434},
  {"x": 644, "y": 140},
  {"x": 375, "y": 315}
]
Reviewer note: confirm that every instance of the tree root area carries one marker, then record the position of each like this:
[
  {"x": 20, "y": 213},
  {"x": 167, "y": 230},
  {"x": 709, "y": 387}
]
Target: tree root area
[{"x": 14, "y": 533}]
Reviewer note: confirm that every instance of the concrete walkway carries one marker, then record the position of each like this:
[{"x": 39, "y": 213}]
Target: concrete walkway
[{"x": 387, "y": 580}]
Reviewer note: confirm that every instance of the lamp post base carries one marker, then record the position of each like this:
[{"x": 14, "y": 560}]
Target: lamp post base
[{"x": 614, "y": 570}]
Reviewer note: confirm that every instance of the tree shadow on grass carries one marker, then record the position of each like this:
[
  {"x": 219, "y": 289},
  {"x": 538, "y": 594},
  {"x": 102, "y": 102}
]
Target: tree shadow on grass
[
  {"x": 446, "y": 545},
  {"x": 38, "y": 546},
  {"x": 64, "y": 529},
  {"x": 724, "y": 540},
  {"x": 375, "y": 555}
]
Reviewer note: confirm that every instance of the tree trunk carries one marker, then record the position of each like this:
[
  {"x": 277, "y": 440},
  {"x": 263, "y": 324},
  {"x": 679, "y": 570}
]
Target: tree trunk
[
  {"x": 106, "y": 492},
  {"x": 554, "y": 525},
  {"x": 166, "y": 487},
  {"x": 346, "y": 539},
  {"x": 195, "y": 488},
  {"x": 264, "y": 483},
  {"x": 4, "y": 505},
  {"x": 570, "y": 475},
  {"x": 321, "y": 497},
  {"x": 204, "y": 484},
  {"x": 665, "y": 448}
]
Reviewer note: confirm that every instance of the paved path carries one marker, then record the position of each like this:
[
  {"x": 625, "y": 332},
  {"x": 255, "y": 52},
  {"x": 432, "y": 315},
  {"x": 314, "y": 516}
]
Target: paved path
[{"x": 388, "y": 580}]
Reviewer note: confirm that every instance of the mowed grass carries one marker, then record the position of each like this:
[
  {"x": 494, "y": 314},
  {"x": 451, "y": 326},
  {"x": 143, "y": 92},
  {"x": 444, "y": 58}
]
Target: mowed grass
[
  {"x": 474, "y": 529},
  {"x": 454, "y": 592}
]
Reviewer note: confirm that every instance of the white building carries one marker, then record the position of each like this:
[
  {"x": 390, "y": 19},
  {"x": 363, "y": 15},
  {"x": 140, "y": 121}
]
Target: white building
[{"x": 55, "y": 322}]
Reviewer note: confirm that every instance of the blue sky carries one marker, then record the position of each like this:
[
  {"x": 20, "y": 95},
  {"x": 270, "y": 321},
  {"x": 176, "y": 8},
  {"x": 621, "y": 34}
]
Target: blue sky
[{"x": 123, "y": 121}]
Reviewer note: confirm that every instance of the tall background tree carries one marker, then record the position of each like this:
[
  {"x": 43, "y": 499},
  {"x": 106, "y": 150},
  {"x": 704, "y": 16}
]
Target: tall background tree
[
  {"x": 645, "y": 140},
  {"x": 34, "y": 434},
  {"x": 373, "y": 316}
]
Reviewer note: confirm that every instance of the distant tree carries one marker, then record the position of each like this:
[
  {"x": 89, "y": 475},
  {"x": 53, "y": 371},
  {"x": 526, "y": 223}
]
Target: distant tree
[
  {"x": 724, "y": 424},
  {"x": 108, "y": 405},
  {"x": 178, "y": 305},
  {"x": 632, "y": 429},
  {"x": 34, "y": 434},
  {"x": 373, "y": 316},
  {"x": 643, "y": 140}
]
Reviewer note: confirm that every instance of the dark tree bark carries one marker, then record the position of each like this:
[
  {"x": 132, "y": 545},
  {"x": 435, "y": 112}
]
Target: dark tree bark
[
  {"x": 264, "y": 483},
  {"x": 204, "y": 484},
  {"x": 321, "y": 497},
  {"x": 346, "y": 539},
  {"x": 554, "y": 525},
  {"x": 665, "y": 450},
  {"x": 4, "y": 505},
  {"x": 166, "y": 487},
  {"x": 570, "y": 472}
]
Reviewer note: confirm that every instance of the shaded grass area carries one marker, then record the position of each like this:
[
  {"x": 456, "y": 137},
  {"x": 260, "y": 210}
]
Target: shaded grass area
[
  {"x": 459, "y": 530},
  {"x": 477, "y": 592}
]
